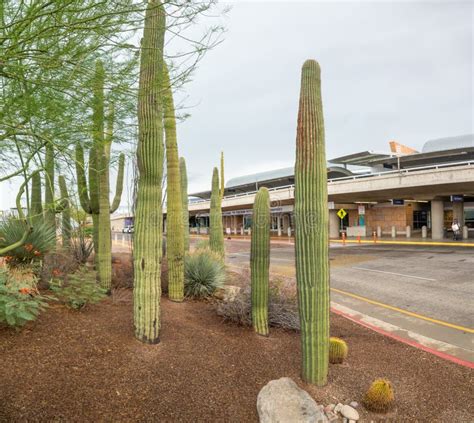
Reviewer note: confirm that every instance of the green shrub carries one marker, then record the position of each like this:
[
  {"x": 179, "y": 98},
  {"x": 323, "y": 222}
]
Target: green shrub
[
  {"x": 204, "y": 272},
  {"x": 202, "y": 244},
  {"x": 79, "y": 290},
  {"x": 19, "y": 305},
  {"x": 40, "y": 241}
]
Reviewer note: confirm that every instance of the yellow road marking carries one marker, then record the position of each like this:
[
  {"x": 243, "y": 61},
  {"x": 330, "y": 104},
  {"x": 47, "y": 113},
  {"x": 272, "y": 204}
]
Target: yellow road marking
[
  {"x": 409, "y": 313},
  {"x": 448, "y": 244}
]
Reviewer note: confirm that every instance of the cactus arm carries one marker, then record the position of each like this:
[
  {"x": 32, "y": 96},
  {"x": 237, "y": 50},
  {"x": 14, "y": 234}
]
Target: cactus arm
[
  {"x": 216, "y": 232},
  {"x": 311, "y": 212},
  {"x": 147, "y": 250},
  {"x": 36, "y": 198},
  {"x": 119, "y": 184},
  {"x": 66, "y": 213},
  {"x": 260, "y": 261},
  {"x": 50, "y": 212},
  {"x": 174, "y": 213},
  {"x": 184, "y": 193},
  {"x": 82, "y": 180}
]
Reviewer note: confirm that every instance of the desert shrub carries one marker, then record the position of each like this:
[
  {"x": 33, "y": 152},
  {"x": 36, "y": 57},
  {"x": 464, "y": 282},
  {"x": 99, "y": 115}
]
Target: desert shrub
[
  {"x": 79, "y": 289},
  {"x": 56, "y": 265},
  {"x": 380, "y": 396},
  {"x": 282, "y": 307},
  {"x": 204, "y": 272},
  {"x": 81, "y": 247},
  {"x": 19, "y": 305},
  {"x": 40, "y": 241}
]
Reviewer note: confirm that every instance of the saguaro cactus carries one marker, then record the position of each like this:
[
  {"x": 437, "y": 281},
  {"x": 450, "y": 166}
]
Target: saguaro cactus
[
  {"x": 95, "y": 198},
  {"x": 174, "y": 212},
  {"x": 222, "y": 175},
  {"x": 185, "y": 207},
  {"x": 36, "y": 207},
  {"x": 311, "y": 212},
  {"x": 50, "y": 211},
  {"x": 260, "y": 261},
  {"x": 147, "y": 251},
  {"x": 66, "y": 213},
  {"x": 216, "y": 234}
]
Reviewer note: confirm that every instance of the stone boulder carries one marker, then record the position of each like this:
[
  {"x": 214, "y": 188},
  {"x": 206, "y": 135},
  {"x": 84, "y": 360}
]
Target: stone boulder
[
  {"x": 227, "y": 292},
  {"x": 282, "y": 401}
]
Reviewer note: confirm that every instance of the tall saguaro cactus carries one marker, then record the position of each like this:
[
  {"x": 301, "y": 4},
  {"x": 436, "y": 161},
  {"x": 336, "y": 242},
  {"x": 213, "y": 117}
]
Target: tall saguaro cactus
[
  {"x": 216, "y": 235},
  {"x": 95, "y": 197},
  {"x": 260, "y": 261},
  {"x": 147, "y": 252},
  {"x": 66, "y": 226},
  {"x": 36, "y": 207},
  {"x": 185, "y": 206},
  {"x": 222, "y": 175},
  {"x": 174, "y": 212},
  {"x": 311, "y": 212}
]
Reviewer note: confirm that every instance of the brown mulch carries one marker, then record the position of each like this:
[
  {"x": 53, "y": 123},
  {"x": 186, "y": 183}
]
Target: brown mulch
[{"x": 87, "y": 366}]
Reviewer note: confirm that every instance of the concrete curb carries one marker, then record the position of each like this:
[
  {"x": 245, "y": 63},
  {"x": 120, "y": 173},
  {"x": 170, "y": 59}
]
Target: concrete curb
[{"x": 350, "y": 315}]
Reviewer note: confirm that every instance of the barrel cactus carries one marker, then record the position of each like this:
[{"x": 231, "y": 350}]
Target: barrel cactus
[
  {"x": 337, "y": 350},
  {"x": 185, "y": 206},
  {"x": 260, "y": 261},
  {"x": 147, "y": 252},
  {"x": 312, "y": 221},
  {"x": 174, "y": 212},
  {"x": 380, "y": 396},
  {"x": 216, "y": 235}
]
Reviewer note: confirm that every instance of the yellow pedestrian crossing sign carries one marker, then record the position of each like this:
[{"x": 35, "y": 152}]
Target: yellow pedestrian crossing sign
[{"x": 342, "y": 214}]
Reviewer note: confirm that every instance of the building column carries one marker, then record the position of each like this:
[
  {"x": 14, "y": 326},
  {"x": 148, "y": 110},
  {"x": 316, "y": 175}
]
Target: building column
[
  {"x": 458, "y": 213},
  {"x": 286, "y": 223},
  {"x": 334, "y": 224},
  {"x": 437, "y": 219},
  {"x": 279, "y": 225}
]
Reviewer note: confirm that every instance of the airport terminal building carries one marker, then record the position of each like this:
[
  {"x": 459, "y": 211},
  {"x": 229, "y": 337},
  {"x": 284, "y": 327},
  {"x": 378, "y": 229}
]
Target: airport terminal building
[{"x": 399, "y": 192}]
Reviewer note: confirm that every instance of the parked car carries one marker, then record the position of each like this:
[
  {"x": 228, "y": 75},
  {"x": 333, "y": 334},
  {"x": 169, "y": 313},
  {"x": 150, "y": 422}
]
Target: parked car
[{"x": 128, "y": 229}]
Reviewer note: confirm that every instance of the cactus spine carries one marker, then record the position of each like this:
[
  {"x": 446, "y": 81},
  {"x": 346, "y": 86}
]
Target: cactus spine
[
  {"x": 95, "y": 198},
  {"x": 147, "y": 251},
  {"x": 216, "y": 232},
  {"x": 260, "y": 261},
  {"x": 66, "y": 213},
  {"x": 311, "y": 212},
  {"x": 222, "y": 175},
  {"x": 337, "y": 350},
  {"x": 184, "y": 194},
  {"x": 36, "y": 211},
  {"x": 174, "y": 212}
]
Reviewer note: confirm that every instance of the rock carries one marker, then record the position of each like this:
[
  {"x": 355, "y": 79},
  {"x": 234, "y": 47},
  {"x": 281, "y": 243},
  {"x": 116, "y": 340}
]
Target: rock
[
  {"x": 332, "y": 417},
  {"x": 338, "y": 408},
  {"x": 354, "y": 404},
  {"x": 352, "y": 421},
  {"x": 281, "y": 401},
  {"x": 329, "y": 407},
  {"x": 227, "y": 293},
  {"x": 349, "y": 413}
]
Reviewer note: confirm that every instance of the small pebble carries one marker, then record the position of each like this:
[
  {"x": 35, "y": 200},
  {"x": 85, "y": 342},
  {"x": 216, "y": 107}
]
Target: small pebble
[
  {"x": 354, "y": 404},
  {"x": 329, "y": 407},
  {"x": 350, "y": 413},
  {"x": 338, "y": 408}
]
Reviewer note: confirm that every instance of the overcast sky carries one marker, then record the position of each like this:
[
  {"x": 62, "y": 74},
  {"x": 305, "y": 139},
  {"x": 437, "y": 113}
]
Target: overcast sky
[{"x": 390, "y": 70}]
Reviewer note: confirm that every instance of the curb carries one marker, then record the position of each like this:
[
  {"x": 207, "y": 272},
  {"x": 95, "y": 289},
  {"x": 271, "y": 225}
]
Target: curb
[{"x": 412, "y": 343}]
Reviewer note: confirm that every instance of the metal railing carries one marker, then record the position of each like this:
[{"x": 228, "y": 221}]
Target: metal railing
[{"x": 467, "y": 163}]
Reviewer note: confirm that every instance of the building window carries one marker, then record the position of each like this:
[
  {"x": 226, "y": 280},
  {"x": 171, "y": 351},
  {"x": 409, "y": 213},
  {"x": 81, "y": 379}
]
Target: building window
[{"x": 420, "y": 219}]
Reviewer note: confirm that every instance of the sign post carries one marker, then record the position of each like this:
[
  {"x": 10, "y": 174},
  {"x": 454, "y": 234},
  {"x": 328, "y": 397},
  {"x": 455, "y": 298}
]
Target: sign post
[{"x": 342, "y": 214}]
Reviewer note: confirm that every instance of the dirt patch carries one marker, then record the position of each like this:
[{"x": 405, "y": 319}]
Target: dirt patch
[{"x": 87, "y": 366}]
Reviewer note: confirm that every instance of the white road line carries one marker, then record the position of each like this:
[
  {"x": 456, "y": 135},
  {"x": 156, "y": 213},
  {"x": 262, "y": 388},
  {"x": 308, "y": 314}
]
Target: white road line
[{"x": 392, "y": 273}]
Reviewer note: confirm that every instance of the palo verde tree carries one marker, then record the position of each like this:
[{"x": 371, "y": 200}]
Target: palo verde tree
[
  {"x": 94, "y": 196},
  {"x": 185, "y": 206},
  {"x": 147, "y": 253},
  {"x": 312, "y": 221},
  {"x": 216, "y": 232},
  {"x": 174, "y": 204}
]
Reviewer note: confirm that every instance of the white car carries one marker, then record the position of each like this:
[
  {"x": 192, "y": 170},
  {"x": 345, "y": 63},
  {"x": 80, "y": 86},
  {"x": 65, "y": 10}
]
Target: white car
[{"x": 128, "y": 229}]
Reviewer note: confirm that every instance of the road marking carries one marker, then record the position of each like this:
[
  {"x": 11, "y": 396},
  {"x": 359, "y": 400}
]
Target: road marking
[
  {"x": 271, "y": 258},
  {"x": 392, "y": 273},
  {"x": 427, "y": 243},
  {"x": 408, "y": 313}
]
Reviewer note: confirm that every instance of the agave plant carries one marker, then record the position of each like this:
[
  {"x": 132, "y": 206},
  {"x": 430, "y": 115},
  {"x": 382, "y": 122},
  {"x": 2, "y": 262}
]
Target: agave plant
[{"x": 39, "y": 241}]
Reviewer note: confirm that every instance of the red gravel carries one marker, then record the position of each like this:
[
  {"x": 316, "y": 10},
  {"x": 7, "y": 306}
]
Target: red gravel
[{"x": 87, "y": 366}]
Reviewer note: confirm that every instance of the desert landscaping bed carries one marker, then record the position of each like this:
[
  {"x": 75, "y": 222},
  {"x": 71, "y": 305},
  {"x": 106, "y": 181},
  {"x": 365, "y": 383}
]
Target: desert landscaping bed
[{"x": 87, "y": 366}]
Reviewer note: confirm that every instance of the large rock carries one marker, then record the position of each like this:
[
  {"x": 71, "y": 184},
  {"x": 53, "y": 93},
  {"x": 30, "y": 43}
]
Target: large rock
[
  {"x": 227, "y": 292},
  {"x": 282, "y": 401}
]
